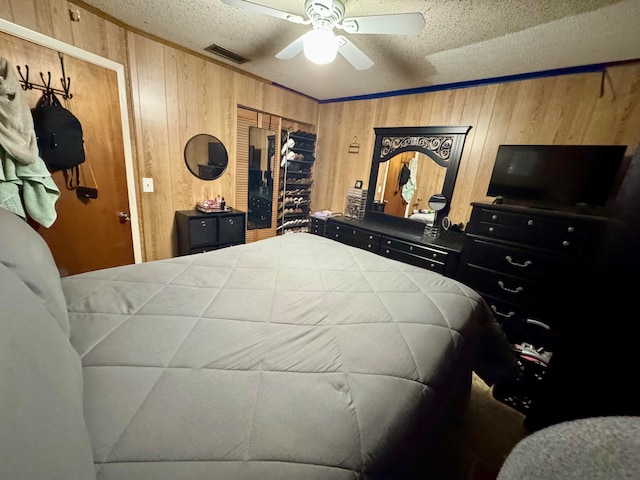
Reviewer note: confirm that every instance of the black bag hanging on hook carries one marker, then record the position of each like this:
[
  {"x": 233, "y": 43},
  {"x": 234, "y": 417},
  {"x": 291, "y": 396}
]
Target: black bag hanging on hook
[{"x": 60, "y": 139}]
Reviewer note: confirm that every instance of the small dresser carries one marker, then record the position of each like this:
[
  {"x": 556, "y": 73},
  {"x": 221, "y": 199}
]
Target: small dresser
[
  {"x": 526, "y": 263},
  {"x": 201, "y": 232}
]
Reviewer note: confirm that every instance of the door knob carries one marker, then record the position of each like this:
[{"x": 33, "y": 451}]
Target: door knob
[{"x": 124, "y": 217}]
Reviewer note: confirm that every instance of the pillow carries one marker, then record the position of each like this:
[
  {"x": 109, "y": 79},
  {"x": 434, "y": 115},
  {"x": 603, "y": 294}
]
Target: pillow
[
  {"x": 43, "y": 434},
  {"x": 26, "y": 254}
]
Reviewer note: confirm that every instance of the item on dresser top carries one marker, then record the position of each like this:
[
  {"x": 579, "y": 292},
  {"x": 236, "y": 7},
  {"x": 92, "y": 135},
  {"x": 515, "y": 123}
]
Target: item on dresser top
[
  {"x": 355, "y": 203},
  {"x": 215, "y": 205},
  {"x": 322, "y": 214}
]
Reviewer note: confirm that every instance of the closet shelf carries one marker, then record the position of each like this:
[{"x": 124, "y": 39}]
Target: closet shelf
[{"x": 294, "y": 192}]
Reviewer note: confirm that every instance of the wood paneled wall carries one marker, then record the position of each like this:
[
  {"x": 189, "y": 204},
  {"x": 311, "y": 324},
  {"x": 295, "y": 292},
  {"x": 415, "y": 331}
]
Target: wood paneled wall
[
  {"x": 555, "y": 110},
  {"x": 177, "y": 95},
  {"x": 173, "y": 94}
]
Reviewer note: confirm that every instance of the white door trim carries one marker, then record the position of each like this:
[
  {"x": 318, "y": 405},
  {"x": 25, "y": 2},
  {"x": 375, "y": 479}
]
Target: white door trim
[{"x": 52, "y": 43}]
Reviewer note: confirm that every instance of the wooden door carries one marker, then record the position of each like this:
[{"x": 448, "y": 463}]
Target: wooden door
[
  {"x": 88, "y": 234},
  {"x": 395, "y": 204}
]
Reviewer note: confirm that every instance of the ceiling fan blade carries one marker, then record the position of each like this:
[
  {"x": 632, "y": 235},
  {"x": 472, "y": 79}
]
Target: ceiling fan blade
[
  {"x": 353, "y": 54},
  {"x": 291, "y": 50},
  {"x": 394, "y": 23},
  {"x": 255, "y": 7}
]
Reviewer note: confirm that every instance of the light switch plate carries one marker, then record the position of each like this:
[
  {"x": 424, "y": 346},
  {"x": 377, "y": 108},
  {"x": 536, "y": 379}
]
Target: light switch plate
[{"x": 147, "y": 184}]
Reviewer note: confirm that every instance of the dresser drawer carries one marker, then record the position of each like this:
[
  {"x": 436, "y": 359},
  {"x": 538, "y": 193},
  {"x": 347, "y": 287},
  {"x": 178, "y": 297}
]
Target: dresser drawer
[
  {"x": 317, "y": 226},
  {"x": 523, "y": 325},
  {"x": 232, "y": 229},
  {"x": 566, "y": 236},
  {"x": 353, "y": 236},
  {"x": 199, "y": 232},
  {"x": 532, "y": 222},
  {"x": 508, "y": 312},
  {"x": 567, "y": 243},
  {"x": 203, "y": 231},
  {"x": 526, "y": 263},
  {"x": 412, "y": 259},
  {"x": 418, "y": 250},
  {"x": 506, "y": 287},
  {"x": 260, "y": 205}
]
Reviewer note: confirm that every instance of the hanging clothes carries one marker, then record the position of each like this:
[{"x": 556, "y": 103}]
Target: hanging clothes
[
  {"x": 403, "y": 176},
  {"x": 409, "y": 187},
  {"x": 26, "y": 186}
]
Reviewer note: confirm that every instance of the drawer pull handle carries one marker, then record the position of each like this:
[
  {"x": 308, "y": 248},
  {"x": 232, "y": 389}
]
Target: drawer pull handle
[
  {"x": 203, "y": 223},
  {"x": 370, "y": 237},
  {"x": 530, "y": 222},
  {"x": 566, "y": 243},
  {"x": 354, "y": 232},
  {"x": 538, "y": 323},
  {"x": 527, "y": 263},
  {"x": 369, "y": 245},
  {"x": 494, "y": 217},
  {"x": 386, "y": 251},
  {"x": 231, "y": 221},
  {"x": 499, "y": 313},
  {"x": 491, "y": 229},
  {"x": 571, "y": 229},
  {"x": 337, "y": 228},
  {"x": 506, "y": 289},
  {"x": 411, "y": 249}
]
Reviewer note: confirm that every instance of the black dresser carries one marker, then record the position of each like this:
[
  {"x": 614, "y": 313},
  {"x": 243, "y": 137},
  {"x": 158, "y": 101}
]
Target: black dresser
[
  {"x": 528, "y": 264},
  {"x": 438, "y": 254},
  {"x": 260, "y": 209},
  {"x": 201, "y": 232}
]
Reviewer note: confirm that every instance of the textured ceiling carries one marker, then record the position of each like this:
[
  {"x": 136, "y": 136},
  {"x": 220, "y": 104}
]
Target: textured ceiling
[{"x": 463, "y": 40}]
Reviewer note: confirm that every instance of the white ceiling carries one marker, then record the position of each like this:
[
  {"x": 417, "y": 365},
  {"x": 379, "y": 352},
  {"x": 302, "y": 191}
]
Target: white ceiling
[{"x": 463, "y": 40}]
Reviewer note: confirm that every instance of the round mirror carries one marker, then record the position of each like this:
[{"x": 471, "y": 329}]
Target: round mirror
[
  {"x": 437, "y": 202},
  {"x": 205, "y": 156}
]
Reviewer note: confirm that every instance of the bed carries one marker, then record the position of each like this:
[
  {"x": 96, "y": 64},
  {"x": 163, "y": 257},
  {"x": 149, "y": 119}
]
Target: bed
[
  {"x": 423, "y": 217},
  {"x": 291, "y": 357}
]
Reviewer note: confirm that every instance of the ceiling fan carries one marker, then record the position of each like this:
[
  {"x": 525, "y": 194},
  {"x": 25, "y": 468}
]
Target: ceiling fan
[{"x": 321, "y": 44}]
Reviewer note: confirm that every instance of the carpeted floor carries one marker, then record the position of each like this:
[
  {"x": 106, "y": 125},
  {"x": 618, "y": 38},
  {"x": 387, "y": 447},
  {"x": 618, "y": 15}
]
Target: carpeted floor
[{"x": 474, "y": 445}]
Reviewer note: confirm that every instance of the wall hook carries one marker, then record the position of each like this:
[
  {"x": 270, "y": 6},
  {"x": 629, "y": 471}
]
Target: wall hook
[
  {"x": 66, "y": 81},
  {"x": 354, "y": 147},
  {"x": 46, "y": 83}
]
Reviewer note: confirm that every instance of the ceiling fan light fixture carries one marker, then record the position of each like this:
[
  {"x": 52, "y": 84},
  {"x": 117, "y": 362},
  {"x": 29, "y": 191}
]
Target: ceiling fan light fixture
[{"x": 320, "y": 46}]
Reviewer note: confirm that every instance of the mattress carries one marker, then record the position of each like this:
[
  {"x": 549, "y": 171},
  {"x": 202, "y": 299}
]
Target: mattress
[{"x": 291, "y": 357}]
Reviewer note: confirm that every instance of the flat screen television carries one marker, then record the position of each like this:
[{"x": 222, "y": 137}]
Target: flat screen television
[{"x": 556, "y": 176}]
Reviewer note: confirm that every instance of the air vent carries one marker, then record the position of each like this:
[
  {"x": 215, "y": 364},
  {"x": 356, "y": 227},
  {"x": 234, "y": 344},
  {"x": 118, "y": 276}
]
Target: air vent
[{"x": 224, "y": 53}]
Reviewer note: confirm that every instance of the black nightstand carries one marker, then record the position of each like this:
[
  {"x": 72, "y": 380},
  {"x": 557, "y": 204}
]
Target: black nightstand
[{"x": 201, "y": 232}]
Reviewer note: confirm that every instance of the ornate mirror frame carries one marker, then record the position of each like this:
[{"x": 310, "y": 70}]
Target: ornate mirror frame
[{"x": 442, "y": 144}]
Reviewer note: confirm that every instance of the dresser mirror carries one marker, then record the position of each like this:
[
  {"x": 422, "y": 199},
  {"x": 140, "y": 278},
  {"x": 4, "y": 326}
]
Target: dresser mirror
[
  {"x": 262, "y": 148},
  {"x": 410, "y": 165},
  {"x": 205, "y": 156}
]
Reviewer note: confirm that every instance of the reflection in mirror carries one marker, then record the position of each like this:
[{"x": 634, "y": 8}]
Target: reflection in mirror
[
  {"x": 405, "y": 184},
  {"x": 205, "y": 156},
  {"x": 262, "y": 147}
]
